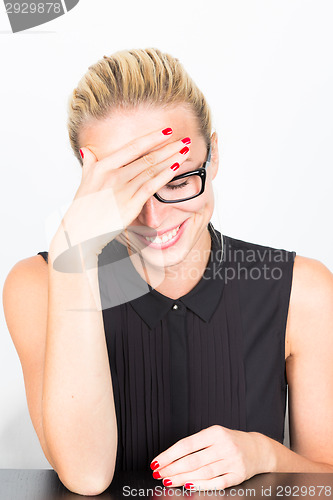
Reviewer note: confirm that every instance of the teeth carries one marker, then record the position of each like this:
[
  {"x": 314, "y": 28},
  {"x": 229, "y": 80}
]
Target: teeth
[{"x": 166, "y": 237}]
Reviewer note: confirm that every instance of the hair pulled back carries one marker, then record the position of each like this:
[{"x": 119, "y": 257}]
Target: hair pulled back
[{"x": 129, "y": 78}]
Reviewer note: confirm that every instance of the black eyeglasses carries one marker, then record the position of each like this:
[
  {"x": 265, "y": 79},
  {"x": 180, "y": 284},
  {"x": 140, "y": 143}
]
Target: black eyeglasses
[{"x": 185, "y": 186}]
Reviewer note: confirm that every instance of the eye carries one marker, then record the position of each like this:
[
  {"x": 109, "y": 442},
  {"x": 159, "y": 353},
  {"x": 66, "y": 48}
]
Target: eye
[{"x": 174, "y": 185}]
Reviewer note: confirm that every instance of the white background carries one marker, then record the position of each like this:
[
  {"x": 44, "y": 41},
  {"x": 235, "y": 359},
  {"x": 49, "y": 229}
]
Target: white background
[{"x": 266, "y": 69}]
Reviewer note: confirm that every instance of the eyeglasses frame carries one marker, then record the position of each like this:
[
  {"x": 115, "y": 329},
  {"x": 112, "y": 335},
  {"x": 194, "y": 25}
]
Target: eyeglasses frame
[{"x": 199, "y": 171}]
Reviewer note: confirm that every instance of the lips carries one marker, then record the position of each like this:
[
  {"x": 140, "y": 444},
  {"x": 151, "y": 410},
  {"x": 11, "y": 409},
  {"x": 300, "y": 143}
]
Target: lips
[
  {"x": 158, "y": 233},
  {"x": 163, "y": 239},
  {"x": 167, "y": 236}
]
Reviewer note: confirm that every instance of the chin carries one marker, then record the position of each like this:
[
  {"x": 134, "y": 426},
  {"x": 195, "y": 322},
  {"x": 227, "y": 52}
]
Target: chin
[{"x": 165, "y": 258}]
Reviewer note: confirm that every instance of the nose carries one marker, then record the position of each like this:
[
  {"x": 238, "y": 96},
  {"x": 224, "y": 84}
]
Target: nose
[{"x": 154, "y": 213}]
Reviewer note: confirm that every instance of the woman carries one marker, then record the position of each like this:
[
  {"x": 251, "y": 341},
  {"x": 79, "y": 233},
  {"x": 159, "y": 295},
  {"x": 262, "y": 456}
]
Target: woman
[{"x": 145, "y": 336}]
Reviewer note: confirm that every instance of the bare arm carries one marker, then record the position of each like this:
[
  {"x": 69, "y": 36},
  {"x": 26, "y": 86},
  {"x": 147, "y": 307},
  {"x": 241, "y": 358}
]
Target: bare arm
[
  {"x": 66, "y": 371},
  {"x": 79, "y": 420},
  {"x": 309, "y": 373},
  {"x": 310, "y": 366}
]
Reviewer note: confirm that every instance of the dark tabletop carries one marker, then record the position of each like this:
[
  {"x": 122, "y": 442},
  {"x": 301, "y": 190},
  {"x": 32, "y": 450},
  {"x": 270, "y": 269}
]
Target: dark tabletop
[{"x": 30, "y": 484}]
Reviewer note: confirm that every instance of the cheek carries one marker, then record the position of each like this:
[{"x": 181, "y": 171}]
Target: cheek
[{"x": 204, "y": 203}]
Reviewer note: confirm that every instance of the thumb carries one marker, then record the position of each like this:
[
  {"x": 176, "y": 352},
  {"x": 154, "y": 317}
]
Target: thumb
[{"x": 88, "y": 157}]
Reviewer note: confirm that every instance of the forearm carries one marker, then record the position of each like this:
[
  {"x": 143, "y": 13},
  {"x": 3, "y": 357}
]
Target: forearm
[
  {"x": 275, "y": 457},
  {"x": 79, "y": 420}
]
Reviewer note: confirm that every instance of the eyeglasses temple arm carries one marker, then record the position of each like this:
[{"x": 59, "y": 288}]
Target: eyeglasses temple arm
[{"x": 209, "y": 155}]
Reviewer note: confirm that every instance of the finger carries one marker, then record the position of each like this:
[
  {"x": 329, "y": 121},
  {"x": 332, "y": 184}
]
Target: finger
[
  {"x": 217, "y": 483},
  {"x": 135, "y": 149},
  {"x": 198, "y": 461},
  {"x": 156, "y": 176},
  {"x": 153, "y": 159},
  {"x": 185, "y": 446},
  {"x": 88, "y": 158},
  {"x": 150, "y": 187}
]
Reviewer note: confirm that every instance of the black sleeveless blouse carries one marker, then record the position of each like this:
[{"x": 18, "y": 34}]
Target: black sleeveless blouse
[{"x": 214, "y": 356}]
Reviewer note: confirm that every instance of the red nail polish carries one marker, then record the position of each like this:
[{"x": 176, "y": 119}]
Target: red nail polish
[
  {"x": 187, "y": 140},
  {"x": 167, "y": 482},
  {"x": 174, "y": 167},
  {"x": 189, "y": 485},
  {"x": 184, "y": 150},
  {"x": 156, "y": 475},
  {"x": 167, "y": 131},
  {"x": 154, "y": 465},
  {"x": 81, "y": 153}
]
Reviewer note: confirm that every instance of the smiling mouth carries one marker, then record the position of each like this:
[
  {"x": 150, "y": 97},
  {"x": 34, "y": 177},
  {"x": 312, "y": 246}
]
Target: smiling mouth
[{"x": 164, "y": 238}]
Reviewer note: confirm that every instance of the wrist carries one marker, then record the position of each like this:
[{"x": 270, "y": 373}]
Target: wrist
[
  {"x": 78, "y": 228},
  {"x": 265, "y": 452},
  {"x": 71, "y": 259}
]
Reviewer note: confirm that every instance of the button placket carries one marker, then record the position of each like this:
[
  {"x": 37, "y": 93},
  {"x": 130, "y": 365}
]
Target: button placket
[{"x": 178, "y": 309}]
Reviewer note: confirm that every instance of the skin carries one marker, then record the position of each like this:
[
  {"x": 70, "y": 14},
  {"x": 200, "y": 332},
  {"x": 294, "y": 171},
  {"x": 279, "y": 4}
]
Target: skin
[
  {"x": 218, "y": 457},
  {"x": 215, "y": 457},
  {"x": 188, "y": 257}
]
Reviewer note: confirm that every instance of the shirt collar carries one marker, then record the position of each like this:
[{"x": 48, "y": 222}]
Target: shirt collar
[{"x": 202, "y": 300}]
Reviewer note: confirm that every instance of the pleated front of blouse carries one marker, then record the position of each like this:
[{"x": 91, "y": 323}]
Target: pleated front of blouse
[
  {"x": 215, "y": 367},
  {"x": 138, "y": 335},
  {"x": 141, "y": 384}
]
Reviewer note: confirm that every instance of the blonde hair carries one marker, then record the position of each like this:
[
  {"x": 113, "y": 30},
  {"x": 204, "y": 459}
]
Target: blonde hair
[{"x": 129, "y": 78}]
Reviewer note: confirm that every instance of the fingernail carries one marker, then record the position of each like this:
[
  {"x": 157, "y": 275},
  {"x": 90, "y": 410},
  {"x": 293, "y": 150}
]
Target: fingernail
[
  {"x": 154, "y": 465},
  {"x": 167, "y": 482},
  {"x": 156, "y": 475},
  {"x": 187, "y": 140},
  {"x": 184, "y": 150},
  {"x": 167, "y": 131},
  {"x": 189, "y": 485},
  {"x": 81, "y": 153},
  {"x": 173, "y": 167}
]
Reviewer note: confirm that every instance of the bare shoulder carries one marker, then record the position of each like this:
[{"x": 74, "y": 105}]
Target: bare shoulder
[
  {"x": 312, "y": 273},
  {"x": 311, "y": 303},
  {"x": 26, "y": 269},
  {"x": 25, "y": 294},
  {"x": 32, "y": 271}
]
